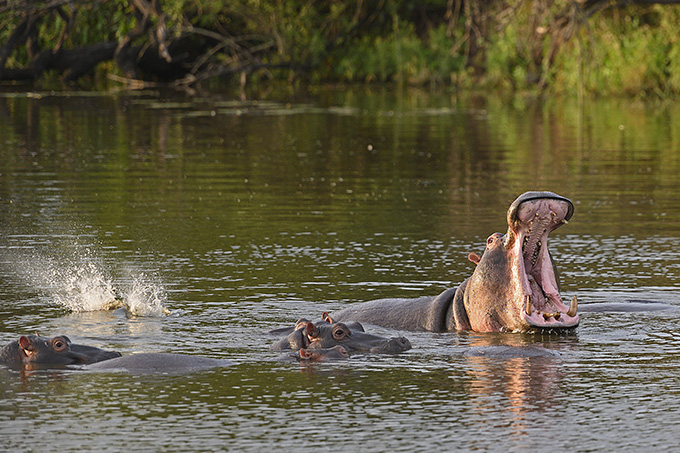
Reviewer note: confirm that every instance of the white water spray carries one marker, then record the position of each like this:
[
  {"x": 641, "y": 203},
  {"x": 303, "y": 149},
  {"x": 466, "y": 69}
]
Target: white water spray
[{"x": 82, "y": 283}]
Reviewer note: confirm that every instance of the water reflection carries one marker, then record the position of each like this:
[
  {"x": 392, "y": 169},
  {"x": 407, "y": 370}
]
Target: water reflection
[
  {"x": 252, "y": 215},
  {"x": 519, "y": 375}
]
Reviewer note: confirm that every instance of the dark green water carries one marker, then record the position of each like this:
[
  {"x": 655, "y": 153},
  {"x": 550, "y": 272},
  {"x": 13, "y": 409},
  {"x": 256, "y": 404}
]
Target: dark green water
[{"x": 239, "y": 217}]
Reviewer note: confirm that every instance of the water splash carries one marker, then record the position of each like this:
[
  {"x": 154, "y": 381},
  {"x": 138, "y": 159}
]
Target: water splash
[
  {"x": 81, "y": 283},
  {"x": 145, "y": 298},
  {"x": 82, "y": 287}
]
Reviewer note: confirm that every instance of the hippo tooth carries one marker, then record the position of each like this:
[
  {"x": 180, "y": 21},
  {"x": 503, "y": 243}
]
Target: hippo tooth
[
  {"x": 573, "y": 306},
  {"x": 528, "y": 304},
  {"x": 564, "y": 221}
]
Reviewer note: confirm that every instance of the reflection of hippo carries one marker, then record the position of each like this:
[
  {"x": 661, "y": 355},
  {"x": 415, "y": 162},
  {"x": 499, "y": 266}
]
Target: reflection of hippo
[
  {"x": 327, "y": 334},
  {"x": 158, "y": 362},
  {"x": 509, "y": 352},
  {"x": 51, "y": 351},
  {"x": 513, "y": 288}
]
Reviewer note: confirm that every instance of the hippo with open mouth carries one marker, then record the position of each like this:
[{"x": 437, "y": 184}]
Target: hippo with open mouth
[{"x": 514, "y": 287}]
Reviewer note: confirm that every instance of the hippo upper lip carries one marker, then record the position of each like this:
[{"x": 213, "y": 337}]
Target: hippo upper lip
[
  {"x": 532, "y": 196},
  {"x": 531, "y": 219}
]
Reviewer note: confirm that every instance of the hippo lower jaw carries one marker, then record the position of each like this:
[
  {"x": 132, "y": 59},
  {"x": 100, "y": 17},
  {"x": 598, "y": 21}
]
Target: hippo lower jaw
[{"x": 530, "y": 224}]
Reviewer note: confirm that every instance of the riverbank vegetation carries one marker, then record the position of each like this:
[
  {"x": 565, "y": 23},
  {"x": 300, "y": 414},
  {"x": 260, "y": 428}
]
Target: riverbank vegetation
[{"x": 584, "y": 46}]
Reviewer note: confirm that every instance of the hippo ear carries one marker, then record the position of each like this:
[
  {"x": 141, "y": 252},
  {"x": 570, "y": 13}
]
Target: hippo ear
[
  {"x": 304, "y": 355},
  {"x": 472, "y": 256},
  {"x": 24, "y": 342},
  {"x": 312, "y": 331},
  {"x": 302, "y": 322},
  {"x": 326, "y": 317}
]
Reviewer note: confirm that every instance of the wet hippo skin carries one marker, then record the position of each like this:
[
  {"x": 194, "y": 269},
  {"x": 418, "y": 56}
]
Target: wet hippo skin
[
  {"x": 322, "y": 354},
  {"x": 327, "y": 334},
  {"x": 514, "y": 286},
  {"x": 158, "y": 362},
  {"x": 58, "y": 350}
]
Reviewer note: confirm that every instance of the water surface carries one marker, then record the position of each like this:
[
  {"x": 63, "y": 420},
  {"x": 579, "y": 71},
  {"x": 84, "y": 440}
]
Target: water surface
[{"x": 237, "y": 217}]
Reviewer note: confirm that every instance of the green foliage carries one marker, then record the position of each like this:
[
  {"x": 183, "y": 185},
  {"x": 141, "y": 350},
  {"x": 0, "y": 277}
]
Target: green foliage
[
  {"x": 494, "y": 44},
  {"x": 627, "y": 55},
  {"x": 401, "y": 56},
  {"x": 506, "y": 67}
]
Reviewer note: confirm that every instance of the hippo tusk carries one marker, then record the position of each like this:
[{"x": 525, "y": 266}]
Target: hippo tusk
[
  {"x": 573, "y": 307},
  {"x": 527, "y": 299}
]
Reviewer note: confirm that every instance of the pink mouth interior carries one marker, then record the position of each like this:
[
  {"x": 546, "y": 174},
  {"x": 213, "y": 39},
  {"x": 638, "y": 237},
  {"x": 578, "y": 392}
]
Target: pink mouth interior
[{"x": 535, "y": 220}]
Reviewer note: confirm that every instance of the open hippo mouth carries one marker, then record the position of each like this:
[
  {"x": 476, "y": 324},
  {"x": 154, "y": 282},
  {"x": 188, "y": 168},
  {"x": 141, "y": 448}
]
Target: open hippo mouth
[{"x": 531, "y": 218}]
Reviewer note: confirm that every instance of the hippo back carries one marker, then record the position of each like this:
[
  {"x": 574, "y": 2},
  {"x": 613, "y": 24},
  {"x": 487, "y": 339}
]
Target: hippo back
[{"x": 158, "y": 362}]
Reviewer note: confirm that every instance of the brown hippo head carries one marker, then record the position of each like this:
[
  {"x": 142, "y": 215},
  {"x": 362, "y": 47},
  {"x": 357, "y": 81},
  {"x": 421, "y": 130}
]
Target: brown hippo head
[{"x": 515, "y": 285}]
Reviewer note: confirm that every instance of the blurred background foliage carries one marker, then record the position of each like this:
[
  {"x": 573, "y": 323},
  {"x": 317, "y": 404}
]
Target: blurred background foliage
[{"x": 560, "y": 46}]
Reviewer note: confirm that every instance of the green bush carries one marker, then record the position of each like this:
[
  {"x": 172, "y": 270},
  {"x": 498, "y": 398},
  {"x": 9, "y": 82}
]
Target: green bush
[{"x": 627, "y": 50}]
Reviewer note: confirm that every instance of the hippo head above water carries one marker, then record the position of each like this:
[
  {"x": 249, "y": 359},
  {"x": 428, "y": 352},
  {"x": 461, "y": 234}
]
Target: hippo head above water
[
  {"x": 514, "y": 287},
  {"x": 515, "y": 284},
  {"x": 59, "y": 350},
  {"x": 327, "y": 333}
]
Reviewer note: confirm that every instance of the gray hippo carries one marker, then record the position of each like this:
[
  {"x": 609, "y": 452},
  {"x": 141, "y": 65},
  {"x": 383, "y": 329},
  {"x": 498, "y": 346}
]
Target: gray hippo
[
  {"x": 514, "y": 287},
  {"x": 59, "y": 350},
  {"x": 327, "y": 333},
  {"x": 158, "y": 362}
]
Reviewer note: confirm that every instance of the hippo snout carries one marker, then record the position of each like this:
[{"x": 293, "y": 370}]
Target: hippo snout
[{"x": 392, "y": 346}]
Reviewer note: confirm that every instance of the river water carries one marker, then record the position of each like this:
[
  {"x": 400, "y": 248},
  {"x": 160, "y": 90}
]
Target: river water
[{"x": 238, "y": 217}]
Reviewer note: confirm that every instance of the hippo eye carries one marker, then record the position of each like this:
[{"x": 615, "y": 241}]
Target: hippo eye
[
  {"x": 490, "y": 240},
  {"x": 59, "y": 345},
  {"x": 339, "y": 333}
]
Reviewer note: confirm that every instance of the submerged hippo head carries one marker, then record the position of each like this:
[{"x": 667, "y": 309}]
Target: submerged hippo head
[
  {"x": 326, "y": 334},
  {"x": 51, "y": 351},
  {"x": 329, "y": 335},
  {"x": 296, "y": 337},
  {"x": 322, "y": 355},
  {"x": 515, "y": 284}
]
